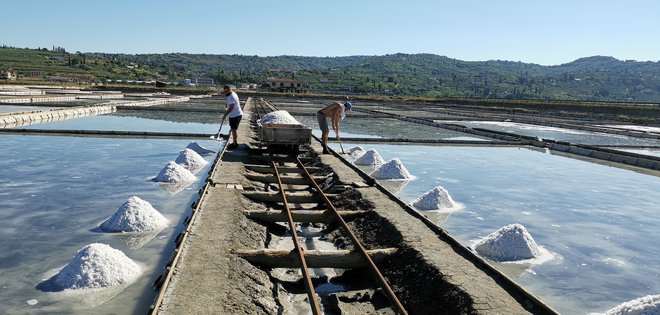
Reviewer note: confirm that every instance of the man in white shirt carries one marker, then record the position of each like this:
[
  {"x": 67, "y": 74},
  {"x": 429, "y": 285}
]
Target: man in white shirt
[{"x": 235, "y": 113}]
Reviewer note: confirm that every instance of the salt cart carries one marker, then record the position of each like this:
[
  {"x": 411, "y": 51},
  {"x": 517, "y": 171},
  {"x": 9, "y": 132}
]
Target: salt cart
[{"x": 283, "y": 134}]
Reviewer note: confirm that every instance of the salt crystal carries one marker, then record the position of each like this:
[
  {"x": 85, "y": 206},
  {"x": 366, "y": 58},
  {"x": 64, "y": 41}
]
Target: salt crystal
[
  {"x": 278, "y": 117},
  {"x": 392, "y": 169},
  {"x": 191, "y": 160},
  {"x": 135, "y": 215},
  {"x": 198, "y": 148},
  {"x": 647, "y": 305},
  {"x": 510, "y": 243},
  {"x": 97, "y": 266},
  {"x": 356, "y": 152},
  {"x": 435, "y": 199},
  {"x": 175, "y": 173},
  {"x": 370, "y": 157}
]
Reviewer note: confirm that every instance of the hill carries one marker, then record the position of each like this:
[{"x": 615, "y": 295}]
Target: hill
[{"x": 597, "y": 78}]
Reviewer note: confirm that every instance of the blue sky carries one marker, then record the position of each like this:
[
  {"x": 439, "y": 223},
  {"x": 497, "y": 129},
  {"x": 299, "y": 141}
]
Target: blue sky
[{"x": 543, "y": 32}]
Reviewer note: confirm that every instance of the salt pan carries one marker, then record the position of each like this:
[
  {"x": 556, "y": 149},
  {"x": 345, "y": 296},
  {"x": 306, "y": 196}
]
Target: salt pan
[
  {"x": 392, "y": 169},
  {"x": 356, "y": 152},
  {"x": 278, "y": 117},
  {"x": 646, "y": 305},
  {"x": 135, "y": 215},
  {"x": 510, "y": 243},
  {"x": 175, "y": 173},
  {"x": 435, "y": 199},
  {"x": 371, "y": 157},
  {"x": 191, "y": 160},
  {"x": 198, "y": 148},
  {"x": 97, "y": 266}
]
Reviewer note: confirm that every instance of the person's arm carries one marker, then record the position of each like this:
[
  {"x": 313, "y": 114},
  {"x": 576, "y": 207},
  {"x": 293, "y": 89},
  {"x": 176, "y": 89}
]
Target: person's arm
[
  {"x": 336, "y": 117},
  {"x": 229, "y": 109}
]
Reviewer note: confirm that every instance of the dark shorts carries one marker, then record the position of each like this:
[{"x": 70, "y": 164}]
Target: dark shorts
[
  {"x": 323, "y": 123},
  {"x": 234, "y": 122}
]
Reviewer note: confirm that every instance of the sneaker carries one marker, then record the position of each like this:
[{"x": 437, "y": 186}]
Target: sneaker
[
  {"x": 325, "y": 151},
  {"x": 232, "y": 146}
]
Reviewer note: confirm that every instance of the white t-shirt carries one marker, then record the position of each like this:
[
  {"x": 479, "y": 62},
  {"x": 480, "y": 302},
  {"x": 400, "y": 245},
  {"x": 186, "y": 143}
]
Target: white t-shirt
[{"x": 233, "y": 99}]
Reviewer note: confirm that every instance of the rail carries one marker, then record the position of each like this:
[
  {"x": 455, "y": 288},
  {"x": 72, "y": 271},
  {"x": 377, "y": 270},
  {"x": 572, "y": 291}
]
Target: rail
[{"x": 356, "y": 242}]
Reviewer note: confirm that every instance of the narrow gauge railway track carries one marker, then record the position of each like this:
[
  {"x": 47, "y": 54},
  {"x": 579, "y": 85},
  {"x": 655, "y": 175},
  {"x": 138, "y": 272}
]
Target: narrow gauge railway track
[{"x": 327, "y": 259}]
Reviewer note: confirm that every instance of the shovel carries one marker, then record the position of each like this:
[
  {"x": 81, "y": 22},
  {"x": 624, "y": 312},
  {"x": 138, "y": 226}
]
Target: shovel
[
  {"x": 341, "y": 146},
  {"x": 217, "y": 135}
]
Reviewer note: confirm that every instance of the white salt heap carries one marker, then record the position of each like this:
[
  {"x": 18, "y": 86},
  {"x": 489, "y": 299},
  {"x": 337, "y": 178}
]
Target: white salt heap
[
  {"x": 392, "y": 169},
  {"x": 175, "y": 173},
  {"x": 135, "y": 215},
  {"x": 278, "y": 117},
  {"x": 510, "y": 243},
  {"x": 371, "y": 157},
  {"x": 435, "y": 199},
  {"x": 646, "y": 305},
  {"x": 191, "y": 160},
  {"x": 198, "y": 148},
  {"x": 356, "y": 152},
  {"x": 97, "y": 266}
]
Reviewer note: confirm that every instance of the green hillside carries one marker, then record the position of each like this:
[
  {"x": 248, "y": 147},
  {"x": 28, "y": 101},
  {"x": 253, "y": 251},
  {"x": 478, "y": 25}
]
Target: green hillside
[{"x": 595, "y": 78}]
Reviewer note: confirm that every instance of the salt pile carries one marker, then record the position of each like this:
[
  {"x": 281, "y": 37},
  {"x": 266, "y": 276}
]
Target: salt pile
[
  {"x": 191, "y": 160},
  {"x": 97, "y": 266},
  {"x": 435, "y": 199},
  {"x": 647, "y": 305},
  {"x": 392, "y": 169},
  {"x": 356, "y": 152},
  {"x": 510, "y": 243},
  {"x": 175, "y": 173},
  {"x": 135, "y": 215},
  {"x": 278, "y": 117},
  {"x": 371, "y": 157},
  {"x": 198, "y": 148}
]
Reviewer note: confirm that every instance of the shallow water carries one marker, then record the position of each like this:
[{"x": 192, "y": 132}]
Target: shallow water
[
  {"x": 55, "y": 190},
  {"x": 119, "y": 122},
  {"x": 386, "y": 128},
  {"x": 600, "y": 221},
  {"x": 558, "y": 134},
  {"x": 6, "y": 109}
]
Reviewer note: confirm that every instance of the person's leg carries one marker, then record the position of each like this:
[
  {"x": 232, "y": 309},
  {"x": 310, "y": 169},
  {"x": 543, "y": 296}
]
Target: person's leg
[
  {"x": 233, "y": 124},
  {"x": 323, "y": 124}
]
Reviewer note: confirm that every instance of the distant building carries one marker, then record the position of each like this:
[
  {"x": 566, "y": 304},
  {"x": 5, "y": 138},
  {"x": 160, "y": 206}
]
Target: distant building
[
  {"x": 286, "y": 85},
  {"x": 188, "y": 83},
  {"x": 248, "y": 86},
  {"x": 7, "y": 75}
]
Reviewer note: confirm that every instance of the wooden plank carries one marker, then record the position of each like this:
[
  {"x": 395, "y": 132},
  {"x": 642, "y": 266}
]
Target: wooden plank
[
  {"x": 293, "y": 180},
  {"x": 291, "y": 197},
  {"x": 267, "y": 169}
]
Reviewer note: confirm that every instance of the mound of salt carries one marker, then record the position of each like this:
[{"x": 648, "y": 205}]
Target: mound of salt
[
  {"x": 97, "y": 266},
  {"x": 435, "y": 199},
  {"x": 356, "y": 152},
  {"x": 278, "y": 117},
  {"x": 371, "y": 157},
  {"x": 198, "y": 148},
  {"x": 649, "y": 304},
  {"x": 392, "y": 169},
  {"x": 191, "y": 160},
  {"x": 135, "y": 215},
  {"x": 510, "y": 243},
  {"x": 175, "y": 173}
]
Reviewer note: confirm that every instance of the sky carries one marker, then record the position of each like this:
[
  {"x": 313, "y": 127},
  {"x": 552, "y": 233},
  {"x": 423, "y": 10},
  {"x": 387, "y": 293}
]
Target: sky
[{"x": 549, "y": 32}]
